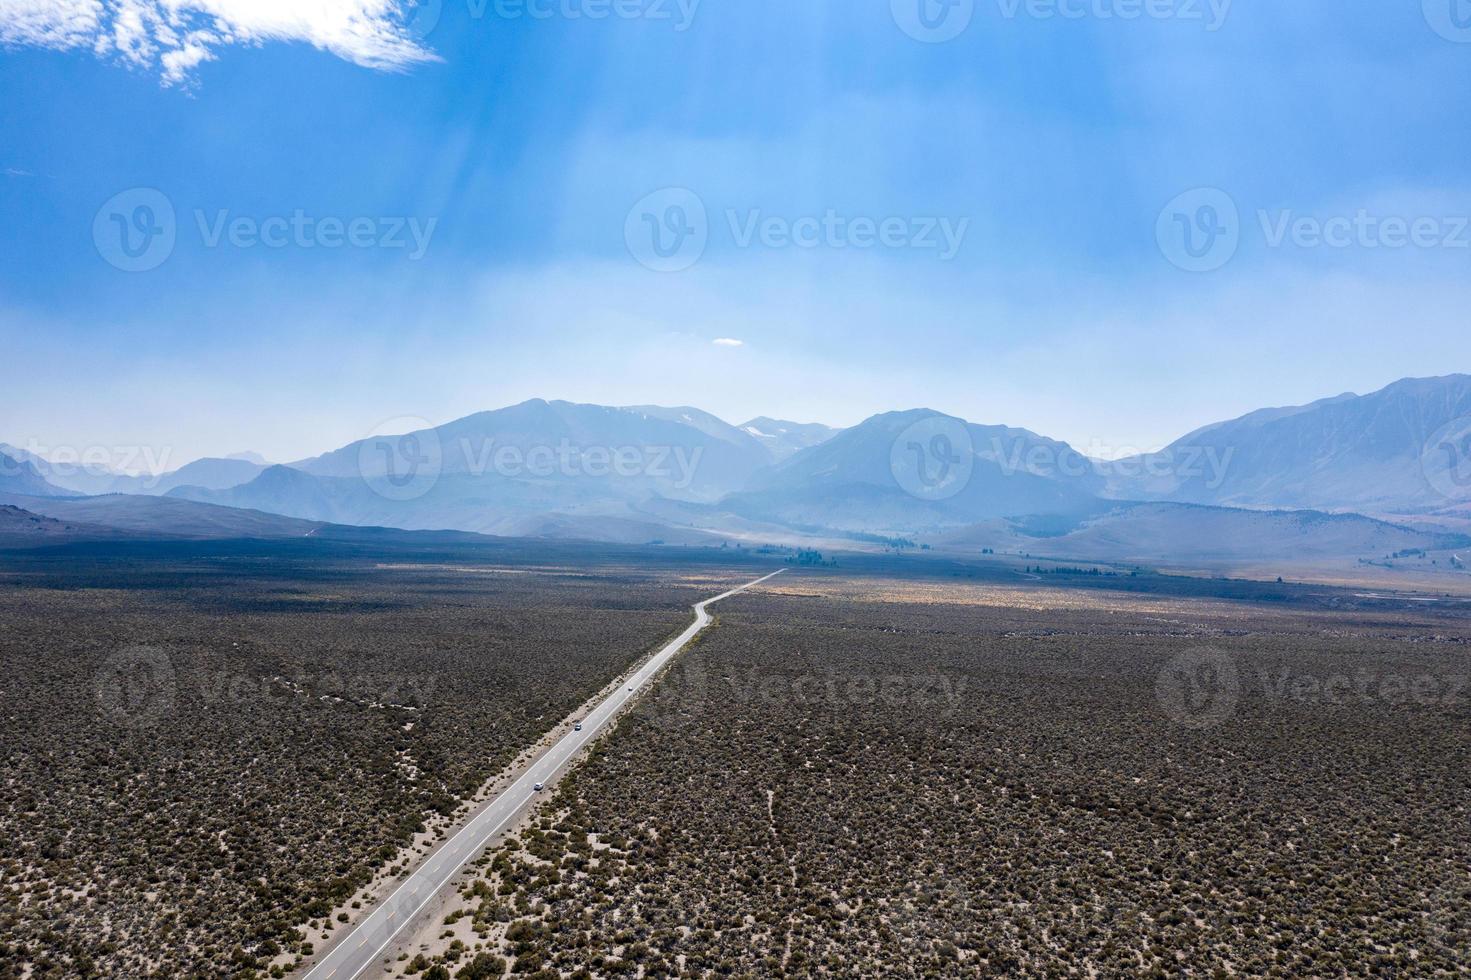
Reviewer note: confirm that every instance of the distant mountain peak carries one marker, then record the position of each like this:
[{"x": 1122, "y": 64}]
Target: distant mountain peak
[
  {"x": 1382, "y": 452},
  {"x": 21, "y": 476},
  {"x": 783, "y": 439}
]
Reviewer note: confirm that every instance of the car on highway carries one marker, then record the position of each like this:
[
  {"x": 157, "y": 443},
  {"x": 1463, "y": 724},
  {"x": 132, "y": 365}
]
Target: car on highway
[
  {"x": 537, "y": 788},
  {"x": 577, "y": 727}
]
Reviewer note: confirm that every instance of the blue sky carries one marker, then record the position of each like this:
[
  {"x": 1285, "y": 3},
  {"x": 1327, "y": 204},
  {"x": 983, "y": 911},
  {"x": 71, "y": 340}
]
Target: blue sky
[{"x": 1048, "y": 145}]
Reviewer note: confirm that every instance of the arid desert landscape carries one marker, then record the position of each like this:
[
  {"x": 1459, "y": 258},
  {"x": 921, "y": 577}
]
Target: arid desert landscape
[{"x": 879, "y": 772}]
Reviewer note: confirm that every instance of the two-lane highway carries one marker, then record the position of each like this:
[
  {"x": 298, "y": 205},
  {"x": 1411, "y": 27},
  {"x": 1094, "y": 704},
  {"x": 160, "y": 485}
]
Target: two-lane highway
[{"x": 364, "y": 944}]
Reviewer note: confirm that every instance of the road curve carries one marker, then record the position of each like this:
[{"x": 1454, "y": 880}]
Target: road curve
[{"x": 360, "y": 948}]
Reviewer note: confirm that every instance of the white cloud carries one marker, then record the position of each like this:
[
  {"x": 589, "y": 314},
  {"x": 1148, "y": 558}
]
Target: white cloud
[
  {"x": 174, "y": 36},
  {"x": 728, "y": 342}
]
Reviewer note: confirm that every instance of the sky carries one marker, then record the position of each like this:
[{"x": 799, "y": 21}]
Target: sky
[{"x": 273, "y": 225}]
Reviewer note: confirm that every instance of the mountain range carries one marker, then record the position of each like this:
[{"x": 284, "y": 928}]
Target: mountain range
[
  {"x": 1399, "y": 450},
  {"x": 682, "y": 475},
  {"x": 91, "y": 479}
]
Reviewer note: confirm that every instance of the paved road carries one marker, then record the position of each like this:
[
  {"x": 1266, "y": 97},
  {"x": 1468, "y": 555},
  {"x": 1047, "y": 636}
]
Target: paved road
[{"x": 371, "y": 938}]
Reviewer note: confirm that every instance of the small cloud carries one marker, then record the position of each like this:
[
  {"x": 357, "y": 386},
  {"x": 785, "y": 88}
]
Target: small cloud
[
  {"x": 729, "y": 342},
  {"x": 13, "y": 172}
]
